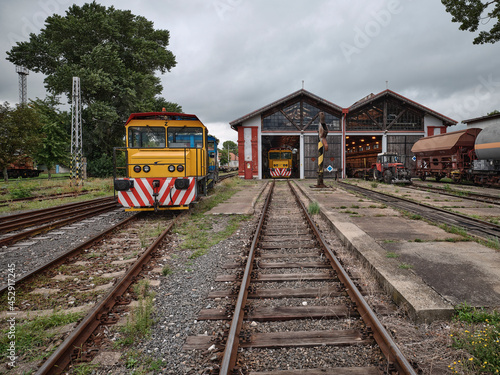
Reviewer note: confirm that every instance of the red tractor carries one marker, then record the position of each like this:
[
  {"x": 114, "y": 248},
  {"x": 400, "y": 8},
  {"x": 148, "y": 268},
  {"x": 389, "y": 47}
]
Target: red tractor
[{"x": 391, "y": 168}]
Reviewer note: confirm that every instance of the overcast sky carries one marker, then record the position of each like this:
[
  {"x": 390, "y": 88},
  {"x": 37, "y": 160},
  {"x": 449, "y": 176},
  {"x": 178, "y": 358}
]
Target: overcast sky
[{"x": 236, "y": 56}]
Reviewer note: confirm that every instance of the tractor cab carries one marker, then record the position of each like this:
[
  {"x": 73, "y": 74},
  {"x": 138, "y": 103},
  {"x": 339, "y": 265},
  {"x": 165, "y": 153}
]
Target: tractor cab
[{"x": 391, "y": 168}]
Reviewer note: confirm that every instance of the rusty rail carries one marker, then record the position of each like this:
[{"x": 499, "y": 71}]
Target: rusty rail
[
  {"x": 91, "y": 211},
  {"x": 60, "y": 359},
  {"x": 380, "y": 334},
  {"x": 231, "y": 351},
  {"x": 60, "y": 259}
]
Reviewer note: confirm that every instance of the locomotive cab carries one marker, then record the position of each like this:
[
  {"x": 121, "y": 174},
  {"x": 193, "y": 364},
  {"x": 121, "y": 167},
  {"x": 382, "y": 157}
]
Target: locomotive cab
[
  {"x": 280, "y": 163},
  {"x": 166, "y": 162}
]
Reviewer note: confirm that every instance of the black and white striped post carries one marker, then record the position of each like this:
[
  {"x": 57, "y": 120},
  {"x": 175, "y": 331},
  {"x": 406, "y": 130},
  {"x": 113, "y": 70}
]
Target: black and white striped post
[{"x": 322, "y": 148}]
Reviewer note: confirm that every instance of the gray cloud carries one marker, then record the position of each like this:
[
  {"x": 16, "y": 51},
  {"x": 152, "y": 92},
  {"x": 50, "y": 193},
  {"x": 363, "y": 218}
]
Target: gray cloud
[{"x": 235, "y": 56}]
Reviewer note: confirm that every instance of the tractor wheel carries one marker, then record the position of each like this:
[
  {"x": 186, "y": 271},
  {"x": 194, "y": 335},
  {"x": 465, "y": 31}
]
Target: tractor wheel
[{"x": 388, "y": 176}]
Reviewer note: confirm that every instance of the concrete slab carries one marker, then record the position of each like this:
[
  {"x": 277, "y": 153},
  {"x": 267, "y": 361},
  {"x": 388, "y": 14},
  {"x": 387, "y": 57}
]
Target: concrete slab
[
  {"x": 457, "y": 271},
  {"x": 107, "y": 358},
  {"x": 243, "y": 202},
  {"x": 437, "y": 274}
]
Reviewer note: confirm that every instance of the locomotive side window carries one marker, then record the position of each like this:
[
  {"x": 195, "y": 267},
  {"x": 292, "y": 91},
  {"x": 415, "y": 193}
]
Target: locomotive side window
[
  {"x": 146, "y": 136},
  {"x": 185, "y": 137}
]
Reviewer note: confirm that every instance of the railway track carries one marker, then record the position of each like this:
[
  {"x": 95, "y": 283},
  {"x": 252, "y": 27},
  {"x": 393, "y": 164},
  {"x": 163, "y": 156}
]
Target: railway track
[
  {"x": 41, "y": 221},
  {"x": 466, "y": 194},
  {"x": 475, "y": 227},
  {"x": 39, "y": 198},
  {"x": 93, "y": 278},
  {"x": 291, "y": 275}
]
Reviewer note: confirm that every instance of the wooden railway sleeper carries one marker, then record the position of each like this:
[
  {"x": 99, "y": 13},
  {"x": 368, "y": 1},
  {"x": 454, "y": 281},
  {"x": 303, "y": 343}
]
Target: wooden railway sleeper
[
  {"x": 388, "y": 368},
  {"x": 252, "y": 289},
  {"x": 367, "y": 333},
  {"x": 220, "y": 338},
  {"x": 235, "y": 288},
  {"x": 245, "y": 337}
]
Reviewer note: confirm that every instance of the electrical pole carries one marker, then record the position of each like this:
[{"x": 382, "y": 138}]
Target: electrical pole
[
  {"x": 76, "y": 164},
  {"x": 23, "y": 86}
]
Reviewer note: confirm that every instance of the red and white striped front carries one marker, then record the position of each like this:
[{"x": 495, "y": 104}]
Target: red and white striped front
[
  {"x": 141, "y": 195},
  {"x": 280, "y": 172}
]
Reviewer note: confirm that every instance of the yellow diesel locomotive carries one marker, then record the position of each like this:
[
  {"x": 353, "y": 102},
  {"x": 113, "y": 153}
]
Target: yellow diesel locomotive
[
  {"x": 280, "y": 162},
  {"x": 167, "y": 162}
]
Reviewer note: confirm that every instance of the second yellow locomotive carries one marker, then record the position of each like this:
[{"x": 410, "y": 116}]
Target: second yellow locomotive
[{"x": 167, "y": 162}]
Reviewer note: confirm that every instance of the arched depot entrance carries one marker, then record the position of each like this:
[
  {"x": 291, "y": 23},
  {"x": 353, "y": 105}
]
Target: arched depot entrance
[{"x": 288, "y": 142}]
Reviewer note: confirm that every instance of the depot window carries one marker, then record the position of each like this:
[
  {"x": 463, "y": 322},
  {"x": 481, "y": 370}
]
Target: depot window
[
  {"x": 146, "y": 137},
  {"x": 184, "y": 137}
]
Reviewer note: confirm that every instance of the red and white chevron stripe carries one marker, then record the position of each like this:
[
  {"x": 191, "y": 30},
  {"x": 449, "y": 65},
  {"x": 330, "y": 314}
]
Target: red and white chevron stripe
[
  {"x": 141, "y": 195},
  {"x": 280, "y": 172}
]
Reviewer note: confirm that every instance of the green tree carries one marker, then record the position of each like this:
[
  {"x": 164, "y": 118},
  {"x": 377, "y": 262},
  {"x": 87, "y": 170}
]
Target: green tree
[
  {"x": 116, "y": 55},
  {"x": 470, "y": 13},
  {"x": 19, "y": 135},
  {"x": 227, "y": 147},
  {"x": 495, "y": 112},
  {"x": 56, "y": 140}
]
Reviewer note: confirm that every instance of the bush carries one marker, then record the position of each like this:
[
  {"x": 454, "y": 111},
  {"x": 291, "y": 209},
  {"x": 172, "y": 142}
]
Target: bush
[{"x": 103, "y": 167}]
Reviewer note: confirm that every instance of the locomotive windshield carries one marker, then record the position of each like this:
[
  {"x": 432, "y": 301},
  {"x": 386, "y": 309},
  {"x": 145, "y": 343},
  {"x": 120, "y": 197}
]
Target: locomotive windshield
[
  {"x": 277, "y": 155},
  {"x": 185, "y": 137},
  {"x": 146, "y": 136}
]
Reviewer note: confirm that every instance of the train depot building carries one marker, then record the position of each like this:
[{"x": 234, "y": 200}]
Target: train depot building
[{"x": 385, "y": 122}]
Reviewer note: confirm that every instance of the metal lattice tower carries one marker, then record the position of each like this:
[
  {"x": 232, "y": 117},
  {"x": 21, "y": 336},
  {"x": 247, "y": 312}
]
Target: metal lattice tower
[
  {"x": 76, "y": 133},
  {"x": 23, "y": 86}
]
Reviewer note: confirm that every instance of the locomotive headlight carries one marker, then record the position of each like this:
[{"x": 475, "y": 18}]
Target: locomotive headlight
[
  {"x": 137, "y": 169},
  {"x": 171, "y": 168},
  {"x": 180, "y": 168},
  {"x": 146, "y": 168}
]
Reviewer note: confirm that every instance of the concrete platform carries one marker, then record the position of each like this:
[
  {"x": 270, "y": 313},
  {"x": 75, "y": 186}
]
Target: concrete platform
[
  {"x": 424, "y": 268},
  {"x": 243, "y": 202}
]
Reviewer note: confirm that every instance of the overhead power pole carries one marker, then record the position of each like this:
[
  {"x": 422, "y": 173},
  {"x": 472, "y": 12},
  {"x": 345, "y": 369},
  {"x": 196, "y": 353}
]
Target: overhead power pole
[
  {"x": 76, "y": 163},
  {"x": 23, "y": 86}
]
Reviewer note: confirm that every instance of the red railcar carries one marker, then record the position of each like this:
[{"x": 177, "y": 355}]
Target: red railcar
[{"x": 446, "y": 155}]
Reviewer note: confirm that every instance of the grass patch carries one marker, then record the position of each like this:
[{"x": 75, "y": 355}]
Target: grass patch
[
  {"x": 196, "y": 230},
  {"x": 39, "y": 188},
  {"x": 374, "y": 185},
  {"x": 33, "y": 336},
  {"x": 166, "y": 270},
  {"x": 479, "y": 338},
  {"x": 405, "y": 266},
  {"x": 454, "y": 230},
  {"x": 313, "y": 208},
  {"x": 140, "y": 320},
  {"x": 391, "y": 255},
  {"x": 197, "y": 233}
]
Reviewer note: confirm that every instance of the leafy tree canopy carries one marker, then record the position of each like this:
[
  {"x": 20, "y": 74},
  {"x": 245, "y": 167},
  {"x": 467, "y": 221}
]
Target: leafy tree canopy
[
  {"x": 114, "y": 52},
  {"x": 20, "y": 134},
  {"x": 227, "y": 146},
  {"x": 471, "y": 13},
  {"x": 55, "y": 137}
]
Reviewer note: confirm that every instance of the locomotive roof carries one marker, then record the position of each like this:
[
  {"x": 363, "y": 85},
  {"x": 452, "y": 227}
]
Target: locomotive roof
[
  {"x": 446, "y": 141},
  {"x": 162, "y": 116}
]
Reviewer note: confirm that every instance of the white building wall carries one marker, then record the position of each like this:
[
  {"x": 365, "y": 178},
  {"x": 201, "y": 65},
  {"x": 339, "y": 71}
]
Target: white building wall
[
  {"x": 484, "y": 123},
  {"x": 432, "y": 121}
]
